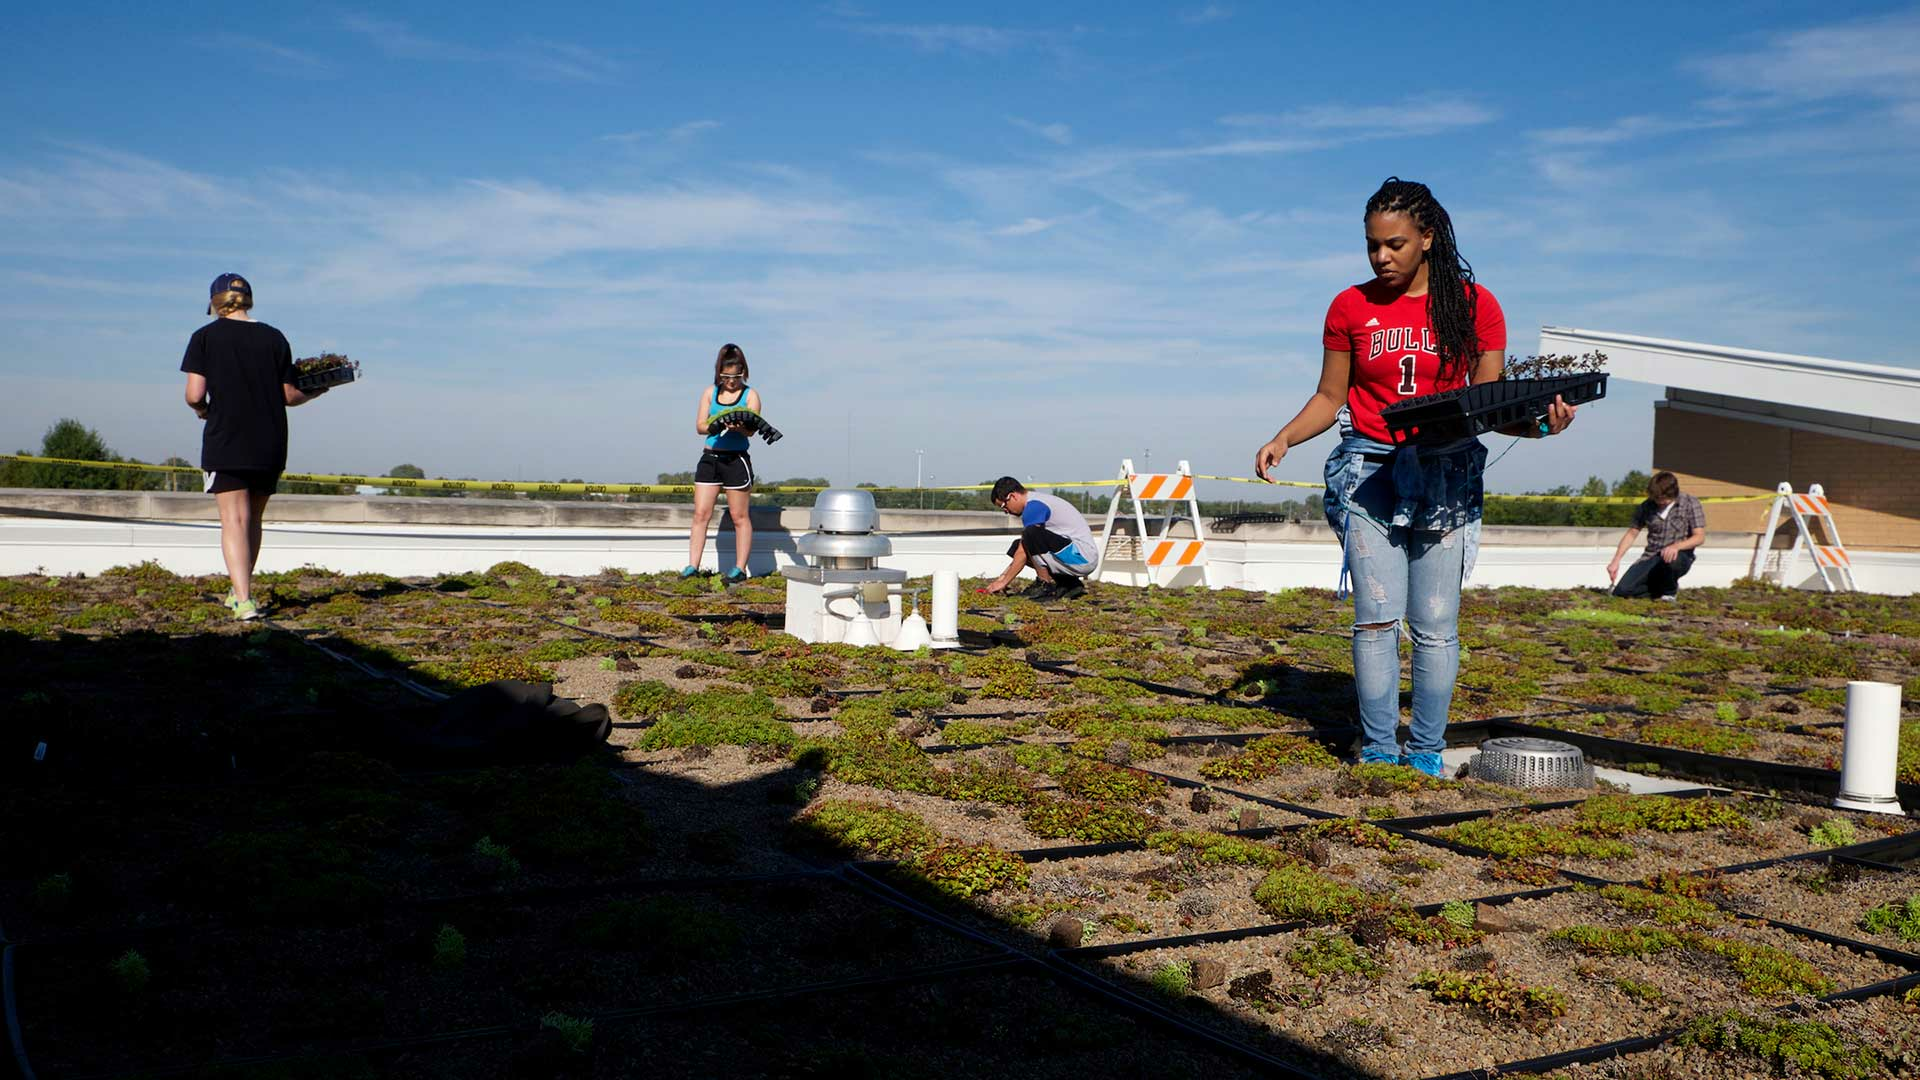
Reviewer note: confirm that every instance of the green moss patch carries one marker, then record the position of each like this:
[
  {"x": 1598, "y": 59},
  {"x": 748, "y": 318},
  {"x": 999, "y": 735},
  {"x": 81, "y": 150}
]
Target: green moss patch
[
  {"x": 1267, "y": 755},
  {"x": 1788, "y": 1047},
  {"x": 1212, "y": 848}
]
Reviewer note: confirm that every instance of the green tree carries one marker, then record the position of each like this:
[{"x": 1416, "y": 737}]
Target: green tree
[
  {"x": 179, "y": 481},
  {"x": 413, "y": 472},
  {"x": 69, "y": 438}
]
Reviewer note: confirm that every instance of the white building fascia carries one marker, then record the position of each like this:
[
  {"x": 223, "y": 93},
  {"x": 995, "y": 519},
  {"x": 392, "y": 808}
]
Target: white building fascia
[{"x": 1886, "y": 397}]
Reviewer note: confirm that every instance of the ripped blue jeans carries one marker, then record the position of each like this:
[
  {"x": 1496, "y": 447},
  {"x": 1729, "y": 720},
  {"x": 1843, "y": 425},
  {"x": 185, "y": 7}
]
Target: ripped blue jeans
[{"x": 1409, "y": 523}]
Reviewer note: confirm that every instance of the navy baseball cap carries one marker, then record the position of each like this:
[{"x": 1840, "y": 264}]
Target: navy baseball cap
[{"x": 228, "y": 283}]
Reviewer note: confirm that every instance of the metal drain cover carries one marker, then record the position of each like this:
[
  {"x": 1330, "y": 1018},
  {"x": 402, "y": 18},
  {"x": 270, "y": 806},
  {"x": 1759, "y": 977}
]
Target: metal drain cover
[{"x": 1523, "y": 762}]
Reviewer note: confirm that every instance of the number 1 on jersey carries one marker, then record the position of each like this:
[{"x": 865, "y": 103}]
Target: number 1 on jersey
[{"x": 1406, "y": 372}]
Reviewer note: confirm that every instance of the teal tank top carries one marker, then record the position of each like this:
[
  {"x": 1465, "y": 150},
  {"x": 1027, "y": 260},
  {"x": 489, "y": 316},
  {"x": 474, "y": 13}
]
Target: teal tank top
[{"x": 727, "y": 440}]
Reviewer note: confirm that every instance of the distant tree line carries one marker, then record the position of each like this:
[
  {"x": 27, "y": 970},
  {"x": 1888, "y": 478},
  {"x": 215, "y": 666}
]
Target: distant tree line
[{"x": 70, "y": 439}]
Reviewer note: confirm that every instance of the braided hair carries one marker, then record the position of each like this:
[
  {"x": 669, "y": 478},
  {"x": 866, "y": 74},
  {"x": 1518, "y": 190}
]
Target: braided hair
[{"x": 1451, "y": 298}]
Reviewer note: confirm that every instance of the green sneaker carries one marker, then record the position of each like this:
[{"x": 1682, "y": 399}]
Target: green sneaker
[
  {"x": 229, "y": 600},
  {"x": 246, "y": 610}
]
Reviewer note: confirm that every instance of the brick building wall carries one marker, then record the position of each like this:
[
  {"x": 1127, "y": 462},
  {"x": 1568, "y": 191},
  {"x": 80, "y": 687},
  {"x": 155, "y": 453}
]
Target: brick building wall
[{"x": 1874, "y": 487}]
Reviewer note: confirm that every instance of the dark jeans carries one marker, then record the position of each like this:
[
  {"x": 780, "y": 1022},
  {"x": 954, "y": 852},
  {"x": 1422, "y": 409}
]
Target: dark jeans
[{"x": 1653, "y": 576}]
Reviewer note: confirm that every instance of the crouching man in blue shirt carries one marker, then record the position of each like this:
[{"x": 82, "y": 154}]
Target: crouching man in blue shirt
[{"x": 1054, "y": 539}]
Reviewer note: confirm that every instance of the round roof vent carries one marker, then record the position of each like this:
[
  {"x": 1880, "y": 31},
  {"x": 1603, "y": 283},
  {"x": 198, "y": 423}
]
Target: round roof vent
[{"x": 1525, "y": 762}]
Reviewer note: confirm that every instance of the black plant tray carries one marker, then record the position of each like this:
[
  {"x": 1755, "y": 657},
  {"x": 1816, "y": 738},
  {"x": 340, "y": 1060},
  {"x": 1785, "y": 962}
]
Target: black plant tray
[
  {"x": 333, "y": 376},
  {"x": 1476, "y": 410},
  {"x": 747, "y": 418}
]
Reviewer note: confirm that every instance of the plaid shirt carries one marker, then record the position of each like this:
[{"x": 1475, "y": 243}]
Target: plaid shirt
[{"x": 1686, "y": 515}]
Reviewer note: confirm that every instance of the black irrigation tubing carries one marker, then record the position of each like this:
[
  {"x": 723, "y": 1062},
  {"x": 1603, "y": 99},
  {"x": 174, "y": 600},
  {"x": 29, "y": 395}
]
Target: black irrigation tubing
[
  {"x": 1897, "y": 957},
  {"x": 857, "y": 875},
  {"x": 931, "y": 973},
  {"x": 1622, "y": 1047},
  {"x": 1213, "y": 937},
  {"x": 1182, "y": 782},
  {"x": 404, "y": 683},
  {"x": 1742, "y": 772},
  {"x": 638, "y": 886},
  {"x": 1116, "y": 847},
  {"x": 1133, "y": 1003},
  {"x": 1181, "y": 941},
  {"x": 1583, "y": 1056},
  {"x": 10, "y": 1004}
]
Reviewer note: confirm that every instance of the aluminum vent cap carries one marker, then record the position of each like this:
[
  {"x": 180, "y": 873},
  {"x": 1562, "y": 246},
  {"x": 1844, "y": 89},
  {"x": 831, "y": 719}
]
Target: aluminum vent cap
[
  {"x": 1526, "y": 762},
  {"x": 844, "y": 510}
]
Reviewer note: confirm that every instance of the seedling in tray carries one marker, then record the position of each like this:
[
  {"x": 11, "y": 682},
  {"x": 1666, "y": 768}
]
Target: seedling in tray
[
  {"x": 753, "y": 422},
  {"x": 327, "y": 369},
  {"x": 1523, "y": 394}
]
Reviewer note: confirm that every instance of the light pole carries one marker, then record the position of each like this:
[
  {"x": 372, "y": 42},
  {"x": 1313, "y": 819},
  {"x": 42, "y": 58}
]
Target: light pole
[{"x": 919, "y": 457}]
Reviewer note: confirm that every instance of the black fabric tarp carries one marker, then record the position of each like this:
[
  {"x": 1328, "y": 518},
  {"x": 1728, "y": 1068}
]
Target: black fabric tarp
[{"x": 505, "y": 721}]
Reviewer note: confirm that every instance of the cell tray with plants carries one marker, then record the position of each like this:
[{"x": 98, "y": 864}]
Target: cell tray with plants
[
  {"x": 323, "y": 371},
  {"x": 1524, "y": 393},
  {"x": 752, "y": 422}
]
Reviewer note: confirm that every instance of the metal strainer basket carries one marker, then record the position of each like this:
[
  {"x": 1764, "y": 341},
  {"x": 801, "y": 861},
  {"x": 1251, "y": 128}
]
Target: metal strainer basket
[{"x": 1523, "y": 762}]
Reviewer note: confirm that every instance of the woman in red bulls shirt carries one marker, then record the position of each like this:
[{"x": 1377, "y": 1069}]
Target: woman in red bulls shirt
[{"x": 1408, "y": 516}]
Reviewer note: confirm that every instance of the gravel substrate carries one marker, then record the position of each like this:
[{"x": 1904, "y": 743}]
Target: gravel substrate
[
  {"x": 1333, "y": 791},
  {"x": 1830, "y": 898},
  {"x": 1383, "y": 1027},
  {"x": 1775, "y": 829}
]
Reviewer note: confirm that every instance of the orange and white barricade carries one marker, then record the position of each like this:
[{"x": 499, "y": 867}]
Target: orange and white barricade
[
  {"x": 1811, "y": 513},
  {"x": 1163, "y": 554}
]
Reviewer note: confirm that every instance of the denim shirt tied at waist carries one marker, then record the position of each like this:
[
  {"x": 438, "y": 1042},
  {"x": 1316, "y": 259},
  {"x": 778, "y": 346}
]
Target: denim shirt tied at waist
[{"x": 1436, "y": 489}]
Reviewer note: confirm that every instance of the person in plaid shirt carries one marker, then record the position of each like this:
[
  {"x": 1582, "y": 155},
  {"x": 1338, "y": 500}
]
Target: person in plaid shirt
[{"x": 1675, "y": 524}]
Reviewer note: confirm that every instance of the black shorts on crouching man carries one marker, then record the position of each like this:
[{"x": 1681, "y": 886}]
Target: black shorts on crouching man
[{"x": 730, "y": 469}]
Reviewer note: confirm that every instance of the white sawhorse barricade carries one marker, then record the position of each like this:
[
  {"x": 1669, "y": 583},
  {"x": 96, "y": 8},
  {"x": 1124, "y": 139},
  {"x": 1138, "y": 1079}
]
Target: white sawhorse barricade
[
  {"x": 1809, "y": 511},
  {"x": 1162, "y": 555}
]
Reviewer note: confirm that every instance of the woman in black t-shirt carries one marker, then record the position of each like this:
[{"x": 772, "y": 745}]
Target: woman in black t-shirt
[{"x": 240, "y": 381}]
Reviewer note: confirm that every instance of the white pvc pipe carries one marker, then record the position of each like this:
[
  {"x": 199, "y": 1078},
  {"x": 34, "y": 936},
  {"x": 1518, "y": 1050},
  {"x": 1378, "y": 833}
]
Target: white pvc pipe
[
  {"x": 1872, "y": 749},
  {"x": 946, "y": 607}
]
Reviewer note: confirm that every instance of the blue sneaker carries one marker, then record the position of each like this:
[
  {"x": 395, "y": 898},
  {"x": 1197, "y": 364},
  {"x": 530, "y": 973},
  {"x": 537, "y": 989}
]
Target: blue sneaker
[
  {"x": 736, "y": 575},
  {"x": 1428, "y": 763},
  {"x": 691, "y": 571},
  {"x": 1374, "y": 756}
]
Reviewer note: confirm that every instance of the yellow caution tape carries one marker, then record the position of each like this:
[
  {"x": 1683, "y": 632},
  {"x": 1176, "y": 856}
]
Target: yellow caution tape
[
  {"x": 532, "y": 487},
  {"x": 1621, "y": 500},
  {"x": 554, "y": 488}
]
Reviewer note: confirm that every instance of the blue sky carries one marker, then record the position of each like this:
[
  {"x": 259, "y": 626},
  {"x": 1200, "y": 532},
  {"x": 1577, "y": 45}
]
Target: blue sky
[{"x": 1028, "y": 239}]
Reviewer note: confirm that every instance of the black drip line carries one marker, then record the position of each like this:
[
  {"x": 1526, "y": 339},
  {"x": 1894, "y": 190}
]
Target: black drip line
[{"x": 1002, "y": 957}]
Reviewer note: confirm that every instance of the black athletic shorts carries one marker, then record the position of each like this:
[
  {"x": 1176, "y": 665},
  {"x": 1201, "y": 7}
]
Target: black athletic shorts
[
  {"x": 256, "y": 481},
  {"x": 730, "y": 469}
]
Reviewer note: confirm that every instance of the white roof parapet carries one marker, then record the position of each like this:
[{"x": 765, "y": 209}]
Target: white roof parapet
[{"x": 1873, "y": 390}]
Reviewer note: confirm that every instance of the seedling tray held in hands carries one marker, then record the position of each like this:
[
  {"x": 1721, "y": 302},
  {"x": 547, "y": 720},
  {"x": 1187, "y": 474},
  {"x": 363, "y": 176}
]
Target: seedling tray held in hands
[
  {"x": 1476, "y": 410},
  {"x": 753, "y": 422},
  {"x": 324, "y": 371}
]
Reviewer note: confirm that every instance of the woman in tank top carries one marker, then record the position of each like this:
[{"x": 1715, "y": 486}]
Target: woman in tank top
[{"x": 725, "y": 464}]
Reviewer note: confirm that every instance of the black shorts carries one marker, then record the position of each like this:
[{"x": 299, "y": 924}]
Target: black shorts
[
  {"x": 729, "y": 469},
  {"x": 256, "y": 481}
]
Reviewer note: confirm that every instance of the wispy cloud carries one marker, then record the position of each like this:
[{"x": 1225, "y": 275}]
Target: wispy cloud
[
  {"x": 395, "y": 39},
  {"x": 677, "y": 133},
  {"x": 271, "y": 57},
  {"x": 1876, "y": 58},
  {"x": 957, "y": 37},
  {"x": 1210, "y": 13},
  {"x": 99, "y": 183},
  {"x": 1628, "y": 129},
  {"x": 1056, "y": 133},
  {"x": 1407, "y": 117},
  {"x": 534, "y": 59}
]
